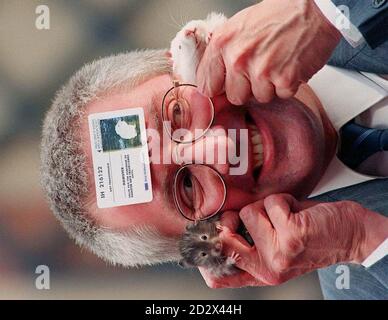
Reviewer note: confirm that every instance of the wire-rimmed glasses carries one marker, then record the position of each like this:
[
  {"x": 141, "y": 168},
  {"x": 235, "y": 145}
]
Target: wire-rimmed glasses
[
  {"x": 187, "y": 114},
  {"x": 199, "y": 190}
]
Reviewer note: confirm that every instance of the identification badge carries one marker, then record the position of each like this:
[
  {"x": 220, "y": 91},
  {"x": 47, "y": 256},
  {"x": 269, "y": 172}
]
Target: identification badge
[{"x": 120, "y": 158}]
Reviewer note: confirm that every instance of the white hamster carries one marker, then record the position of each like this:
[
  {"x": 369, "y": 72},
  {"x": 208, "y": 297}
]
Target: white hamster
[{"x": 189, "y": 44}]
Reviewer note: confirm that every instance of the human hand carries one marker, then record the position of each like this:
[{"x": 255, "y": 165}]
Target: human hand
[
  {"x": 267, "y": 50},
  {"x": 292, "y": 238}
]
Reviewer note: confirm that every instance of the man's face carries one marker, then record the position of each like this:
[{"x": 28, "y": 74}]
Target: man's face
[{"x": 297, "y": 139}]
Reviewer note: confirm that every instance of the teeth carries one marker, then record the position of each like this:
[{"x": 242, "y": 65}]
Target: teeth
[
  {"x": 257, "y": 160},
  {"x": 257, "y": 146},
  {"x": 258, "y": 157},
  {"x": 256, "y": 138}
]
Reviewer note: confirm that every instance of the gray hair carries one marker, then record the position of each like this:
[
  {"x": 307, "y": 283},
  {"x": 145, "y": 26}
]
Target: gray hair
[{"x": 64, "y": 172}]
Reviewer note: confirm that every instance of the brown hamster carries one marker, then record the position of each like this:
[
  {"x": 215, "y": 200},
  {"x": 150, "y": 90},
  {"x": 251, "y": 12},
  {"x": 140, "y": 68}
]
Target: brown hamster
[{"x": 201, "y": 246}]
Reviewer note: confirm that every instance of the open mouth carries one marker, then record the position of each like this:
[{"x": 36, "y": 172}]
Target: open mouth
[{"x": 257, "y": 146}]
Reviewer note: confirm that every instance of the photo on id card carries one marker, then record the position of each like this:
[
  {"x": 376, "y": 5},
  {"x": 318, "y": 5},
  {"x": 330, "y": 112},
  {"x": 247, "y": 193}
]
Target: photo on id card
[{"x": 120, "y": 157}]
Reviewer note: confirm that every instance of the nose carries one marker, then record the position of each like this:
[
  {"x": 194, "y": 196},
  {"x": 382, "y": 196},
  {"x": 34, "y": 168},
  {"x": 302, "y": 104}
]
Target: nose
[
  {"x": 218, "y": 246},
  {"x": 212, "y": 149}
]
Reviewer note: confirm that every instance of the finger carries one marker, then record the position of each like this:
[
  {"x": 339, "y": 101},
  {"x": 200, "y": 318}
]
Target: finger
[
  {"x": 286, "y": 93},
  {"x": 211, "y": 73},
  {"x": 230, "y": 220},
  {"x": 258, "y": 224},
  {"x": 235, "y": 243},
  {"x": 262, "y": 89},
  {"x": 307, "y": 204},
  {"x": 286, "y": 84},
  {"x": 237, "y": 87},
  {"x": 278, "y": 208},
  {"x": 237, "y": 280}
]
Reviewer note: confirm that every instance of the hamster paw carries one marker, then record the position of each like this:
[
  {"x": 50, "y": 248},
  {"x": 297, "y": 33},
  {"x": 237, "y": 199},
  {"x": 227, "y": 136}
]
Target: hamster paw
[
  {"x": 219, "y": 227},
  {"x": 198, "y": 34},
  {"x": 192, "y": 33},
  {"x": 234, "y": 258},
  {"x": 222, "y": 228}
]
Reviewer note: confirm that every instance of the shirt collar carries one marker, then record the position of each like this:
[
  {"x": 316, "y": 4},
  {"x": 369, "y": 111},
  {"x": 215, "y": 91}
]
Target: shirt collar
[{"x": 344, "y": 95}]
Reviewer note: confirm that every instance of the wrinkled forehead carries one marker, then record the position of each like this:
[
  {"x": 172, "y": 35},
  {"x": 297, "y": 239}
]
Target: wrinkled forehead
[
  {"x": 147, "y": 96},
  {"x": 125, "y": 97}
]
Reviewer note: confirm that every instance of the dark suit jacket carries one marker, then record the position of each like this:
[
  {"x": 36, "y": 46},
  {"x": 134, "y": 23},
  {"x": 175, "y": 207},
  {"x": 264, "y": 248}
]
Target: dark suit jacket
[{"x": 371, "y": 18}]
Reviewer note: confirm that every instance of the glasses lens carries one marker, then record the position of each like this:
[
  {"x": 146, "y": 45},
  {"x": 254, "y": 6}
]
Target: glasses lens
[
  {"x": 187, "y": 114},
  {"x": 199, "y": 191}
]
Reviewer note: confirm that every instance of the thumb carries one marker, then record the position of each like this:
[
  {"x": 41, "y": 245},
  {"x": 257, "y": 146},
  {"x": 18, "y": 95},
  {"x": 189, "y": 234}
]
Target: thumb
[
  {"x": 278, "y": 208},
  {"x": 211, "y": 72}
]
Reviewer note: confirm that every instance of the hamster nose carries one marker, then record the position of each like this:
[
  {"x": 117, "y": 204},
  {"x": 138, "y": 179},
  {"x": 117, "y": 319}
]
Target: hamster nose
[{"x": 218, "y": 246}]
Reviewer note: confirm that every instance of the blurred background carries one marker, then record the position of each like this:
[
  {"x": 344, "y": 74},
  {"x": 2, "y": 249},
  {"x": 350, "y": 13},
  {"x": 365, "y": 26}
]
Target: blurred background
[{"x": 33, "y": 65}]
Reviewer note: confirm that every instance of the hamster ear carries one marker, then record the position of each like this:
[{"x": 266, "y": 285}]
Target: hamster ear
[
  {"x": 184, "y": 264},
  {"x": 191, "y": 225}
]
